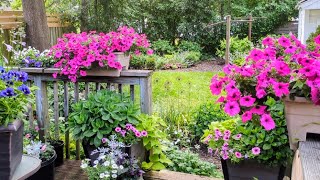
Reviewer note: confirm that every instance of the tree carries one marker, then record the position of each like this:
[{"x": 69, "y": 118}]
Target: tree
[{"x": 36, "y": 24}]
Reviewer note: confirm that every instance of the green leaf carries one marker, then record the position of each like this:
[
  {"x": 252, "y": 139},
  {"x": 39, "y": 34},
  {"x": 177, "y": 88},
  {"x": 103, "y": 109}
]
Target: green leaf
[
  {"x": 266, "y": 147},
  {"x": 158, "y": 166},
  {"x": 106, "y": 117},
  {"x": 89, "y": 133},
  {"x": 147, "y": 166}
]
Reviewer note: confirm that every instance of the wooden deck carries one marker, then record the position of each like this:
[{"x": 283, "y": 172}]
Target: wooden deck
[{"x": 70, "y": 170}]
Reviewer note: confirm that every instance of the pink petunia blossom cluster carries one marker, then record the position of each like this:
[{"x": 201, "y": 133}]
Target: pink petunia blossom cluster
[
  {"x": 131, "y": 128},
  {"x": 76, "y": 52},
  {"x": 281, "y": 67}
]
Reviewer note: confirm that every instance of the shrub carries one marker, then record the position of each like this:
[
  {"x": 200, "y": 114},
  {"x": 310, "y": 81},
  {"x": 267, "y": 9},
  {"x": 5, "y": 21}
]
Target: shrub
[
  {"x": 143, "y": 61},
  {"x": 191, "y": 57},
  {"x": 238, "y": 49},
  {"x": 203, "y": 116},
  {"x": 162, "y": 47},
  {"x": 189, "y": 162},
  {"x": 310, "y": 41},
  {"x": 97, "y": 116},
  {"x": 189, "y": 46}
]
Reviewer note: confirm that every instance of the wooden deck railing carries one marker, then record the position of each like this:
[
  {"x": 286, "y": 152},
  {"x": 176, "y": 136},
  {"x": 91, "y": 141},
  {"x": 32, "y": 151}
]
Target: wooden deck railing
[{"x": 41, "y": 76}]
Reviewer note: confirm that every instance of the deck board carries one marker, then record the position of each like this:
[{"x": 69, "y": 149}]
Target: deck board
[
  {"x": 310, "y": 158},
  {"x": 70, "y": 170}
]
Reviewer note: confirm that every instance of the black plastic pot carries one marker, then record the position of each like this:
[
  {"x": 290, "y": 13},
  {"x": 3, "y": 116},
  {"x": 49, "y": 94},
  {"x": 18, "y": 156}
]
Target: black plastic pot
[
  {"x": 59, "y": 148},
  {"x": 47, "y": 170},
  {"x": 11, "y": 147},
  {"x": 249, "y": 169}
]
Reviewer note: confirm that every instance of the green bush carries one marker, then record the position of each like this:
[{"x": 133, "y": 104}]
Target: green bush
[
  {"x": 189, "y": 46},
  {"x": 162, "y": 47},
  {"x": 189, "y": 162},
  {"x": 239, "y": 48},
  {"x": 310, "y": 41},
  {"x": 204, "y": 116},
  {"x": 137, "y": 62},
  {"x": 191, "y": 57}
]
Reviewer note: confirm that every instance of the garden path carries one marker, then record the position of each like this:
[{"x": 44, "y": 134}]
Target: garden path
[{"x": 70, "y": 170}]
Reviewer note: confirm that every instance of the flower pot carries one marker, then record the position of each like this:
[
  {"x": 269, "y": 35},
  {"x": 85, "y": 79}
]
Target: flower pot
[
  {"x": 96, "y": 70},
  {"x": 59, "y": 149},
  {"x": 11, "y": 148},
  {"x": 249, "y": 169},
  {"x": 302, "y": 117},
  {"x": 47, "y": 170}
]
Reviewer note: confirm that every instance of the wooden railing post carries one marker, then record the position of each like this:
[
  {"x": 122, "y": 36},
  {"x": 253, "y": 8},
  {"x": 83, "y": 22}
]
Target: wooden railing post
[
  {"x": 66, "y": 115},
  {"x": 145, "y": 95},
  {"x": 228, "y": 29},
  {"x": 39, "y": 106}
]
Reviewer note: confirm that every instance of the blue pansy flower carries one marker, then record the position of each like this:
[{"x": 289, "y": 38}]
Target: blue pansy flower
[
  {"x": 38, "y": 64},
  {"x": 2, "y": 70},
  {"x": 25, "y": 89},
  {"x": 22, "y": 76},
  {"x": 9, "y": 92}
]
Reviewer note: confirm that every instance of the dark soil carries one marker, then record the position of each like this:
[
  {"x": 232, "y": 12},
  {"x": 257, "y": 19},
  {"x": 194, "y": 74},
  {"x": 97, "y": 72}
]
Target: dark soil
[
  {"x": 209, "y": 158},
  {"x": 209, "y": 65}
]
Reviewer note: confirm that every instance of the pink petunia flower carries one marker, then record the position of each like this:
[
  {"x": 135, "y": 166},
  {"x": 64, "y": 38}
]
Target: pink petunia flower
[
  {"x": 258, "y": 110},
  {"x": 150, "y": 52},
  {"x": 267, "y": 122},
  {"x": 118, "y": 129},
  {"x": 138, "y": 134},
  {"x": 281, "y": 89},
  {"x": 317, "y": 40},
  {"x": 54, "y": 75},
  {"x": 83, "y": 73},
  {"x": 104, "y": 140},
  {"x": 233, "y": 95},
  {"x": 238, "y": 155},
  {"x": 27, "y": 136},
  {"x": 284, "y": 42},
  {"x": 261, "y": 93},
  {"x": 221, "y": 99},
  {"x": 232, "y": 108},
  {"x": 256, "y": 54},
  {"x": 247, "y": 101},
  {"x": 144, "y": 133},
  {"x": 268, "y": 41},
  {"x": 255, "y": 150},
  {"x": 216, "y": 88},
  {"x": 246, "y": 116},
  {"x": 128, "y": 126},
  {"x": 238, "y": 136},
  {"x": 44, "y": 148}
]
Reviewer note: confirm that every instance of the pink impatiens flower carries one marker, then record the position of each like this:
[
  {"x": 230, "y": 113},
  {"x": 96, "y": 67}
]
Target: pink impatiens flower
[
  {"x": 232, "y": 108},
  {"x": 267, "y": 122},
  {"x": 247, "y": 101}
]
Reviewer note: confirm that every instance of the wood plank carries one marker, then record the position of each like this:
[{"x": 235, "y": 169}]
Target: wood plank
[
  {"x": 120, "y": 88},
  {"x": 228, "y": 29},
  {"x": 58, "y": 24},
  {"x": 132, "y": 92},
  {"x": 98, "y": 86},
  {"x": 145, "y": 95},
  {"x": 39, "y": 106},
  {"x": 86, "y": 90},
  {"x": 66, "y": 115},
  {"x": 310, "y": 161},
  {"x": 136, "y": 73},
  {"x": 76, "y": 99},
  {"x": 297, "y": 173},
  {"x": 45, "y": 108},
  {"x": 171, "y": 175},
  {"x": 56, "y": 109}
]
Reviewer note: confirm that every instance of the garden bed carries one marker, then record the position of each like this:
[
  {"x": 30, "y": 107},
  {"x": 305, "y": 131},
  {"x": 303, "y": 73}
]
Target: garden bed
[{"x": 171, "y": 175}]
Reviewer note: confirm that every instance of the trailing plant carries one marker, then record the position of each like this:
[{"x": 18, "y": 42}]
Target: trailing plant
[
  {"x": 203, "y": 116},
  {"x": 157, "y": 159},
  {"x": 75, "y": 53},
  {"x": 14, "y": 95},
  {"x": 188, "y": 162},
  {"x": 112, "y": 163},
  {"x": 100, "y": 114},
  {"x": 238, "y": 141}
]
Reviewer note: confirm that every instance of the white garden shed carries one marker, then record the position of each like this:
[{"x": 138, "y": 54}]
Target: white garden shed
[{"x": 309, "y": 18}]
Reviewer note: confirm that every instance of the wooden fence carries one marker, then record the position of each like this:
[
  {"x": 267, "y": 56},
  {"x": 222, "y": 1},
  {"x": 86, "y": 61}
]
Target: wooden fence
[
  {"x": 10, "y": 21},
  {"x": 135, "y": 80}
]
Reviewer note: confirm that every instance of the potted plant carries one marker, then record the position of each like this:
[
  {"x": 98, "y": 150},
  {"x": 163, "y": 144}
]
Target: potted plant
[
  {"x": 95, "y": 118},
  {"x": 249, "y": 151},
  {"x": 46, "y": 153},
  {"x": 14, "y": 98},
  {"x": 58, "y": 146},
  {"x": 98, "y": 54},
  {"x": 112, "y": 162}
]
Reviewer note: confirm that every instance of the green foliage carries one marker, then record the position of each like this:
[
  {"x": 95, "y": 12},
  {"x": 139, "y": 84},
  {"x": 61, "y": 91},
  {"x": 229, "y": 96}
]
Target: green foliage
[
  {"x": 189, "y": 162},
  {"x": 310, "y": 41},
  {"x": 239, "y": 48},
  {"x": 190, "y": 58},
  {"x": 144, "y": 62},
  {"x": 162, "y": 47},
  {"x": 153, "y": 142},
  {"x": 96, "y": 117},
  {"x": 203, "y": 116},
  {"x": 189, "y": 46}
]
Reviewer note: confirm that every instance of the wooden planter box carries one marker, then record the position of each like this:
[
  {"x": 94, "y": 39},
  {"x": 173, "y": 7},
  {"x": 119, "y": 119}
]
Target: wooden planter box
[
  {"x": 302, "y": 117},
  {"x": 11, "y": 148},
  {"x": 96, "y": 70},
  {"x": 249, "y": 169}
]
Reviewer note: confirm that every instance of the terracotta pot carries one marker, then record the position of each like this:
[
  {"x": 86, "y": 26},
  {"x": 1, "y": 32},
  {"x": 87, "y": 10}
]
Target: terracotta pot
[
  {"x": 302, "y": 117},
  {"x": 96, "y": 70},
  {"x": 11, "y": 148},
  {"x": 249, "y": 169}
]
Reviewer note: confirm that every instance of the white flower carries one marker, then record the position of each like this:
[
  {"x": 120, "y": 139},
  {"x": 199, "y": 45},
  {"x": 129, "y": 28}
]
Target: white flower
[
  {"x": 102, "y": 175},
  {"x": 106, "y": 163},
  {"x": 114, "y": 166},
  {"x": 114, "y": 171},
  {"x": 121, "y": 167},
  {"x": 102, "y": 157},
  {"x": 107, "y": 175},
  {"x": 114, "y": 176},
  {"x": 95, "y": 162},
  {"x": 84, "y": 165}
]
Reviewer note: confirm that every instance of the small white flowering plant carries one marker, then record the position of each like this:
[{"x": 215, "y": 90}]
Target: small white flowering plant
[{"x": 112, "y": 162}]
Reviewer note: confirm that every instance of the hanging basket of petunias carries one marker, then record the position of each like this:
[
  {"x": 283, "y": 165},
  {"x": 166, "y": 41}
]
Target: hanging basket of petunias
[
  {"x": 76, "y": 53},
  {"x": 281, "y": 67}
]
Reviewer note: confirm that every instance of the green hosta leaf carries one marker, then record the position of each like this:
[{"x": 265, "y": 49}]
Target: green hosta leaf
[
  {"x": 89, "y": 133},
  {"x": 266, "y": 147},
  {"x": 106, "y": 117},
  {"x": 154, "y": 157}
]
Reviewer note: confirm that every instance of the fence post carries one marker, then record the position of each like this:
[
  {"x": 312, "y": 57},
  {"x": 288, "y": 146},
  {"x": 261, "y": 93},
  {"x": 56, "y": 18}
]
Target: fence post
[
  {"x": 145, "y": 95},
  {"x": 250, "y": 27},
  {"x": 228, "y": 28}
]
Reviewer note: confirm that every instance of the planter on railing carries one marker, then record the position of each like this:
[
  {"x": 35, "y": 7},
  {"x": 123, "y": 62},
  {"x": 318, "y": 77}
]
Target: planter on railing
[
  {"x": 11, "y": 147},
  {"x": 250, "y": 169},
  {"x": 302, "y": 117}
]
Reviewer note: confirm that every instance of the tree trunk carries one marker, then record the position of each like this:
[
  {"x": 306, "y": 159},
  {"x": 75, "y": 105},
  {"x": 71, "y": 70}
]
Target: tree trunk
[
  {"x": 84, "y": 15},
  {"x": 36, "y": 24}
]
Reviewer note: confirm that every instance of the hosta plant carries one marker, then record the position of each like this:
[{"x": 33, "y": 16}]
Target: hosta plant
[
  {"x": 282, "y": 67},
  {"x": 75, "y": 53},
  {"x": 93, "y": 119}
]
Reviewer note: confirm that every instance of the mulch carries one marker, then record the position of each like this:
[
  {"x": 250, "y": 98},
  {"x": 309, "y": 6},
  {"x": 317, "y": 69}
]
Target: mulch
[
  {"x": 203, "y": 66},
  {"x": 70, "y": 170}
]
